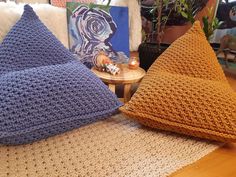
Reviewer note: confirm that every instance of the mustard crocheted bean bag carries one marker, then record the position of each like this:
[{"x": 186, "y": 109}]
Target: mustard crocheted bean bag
[{"x": 186, "y": 91}]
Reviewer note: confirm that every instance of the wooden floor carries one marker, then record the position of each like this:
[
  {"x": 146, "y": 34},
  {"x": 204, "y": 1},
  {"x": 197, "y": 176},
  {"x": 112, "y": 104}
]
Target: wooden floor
[{"x": 220, "y": 163}]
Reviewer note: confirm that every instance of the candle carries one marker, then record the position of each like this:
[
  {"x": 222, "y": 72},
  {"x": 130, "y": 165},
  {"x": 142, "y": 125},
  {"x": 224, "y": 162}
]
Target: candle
[{"x": 133, "y": 63}]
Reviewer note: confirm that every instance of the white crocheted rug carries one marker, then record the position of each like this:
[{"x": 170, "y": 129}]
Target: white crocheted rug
[{"x": 113, "y": 147}]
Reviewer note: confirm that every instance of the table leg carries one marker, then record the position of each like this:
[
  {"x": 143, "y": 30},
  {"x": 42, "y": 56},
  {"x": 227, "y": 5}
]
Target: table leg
[
  {"x": 112, "y": 87},
  {"x": 127, "y": 94}
]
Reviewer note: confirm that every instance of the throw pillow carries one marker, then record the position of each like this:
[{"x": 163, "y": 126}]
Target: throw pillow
[
  {"x": 44, "y": 90},
  {"x": 185, "y": 91}
]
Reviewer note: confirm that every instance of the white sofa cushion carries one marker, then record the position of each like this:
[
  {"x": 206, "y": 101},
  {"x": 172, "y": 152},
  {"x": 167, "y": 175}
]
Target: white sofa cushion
[{"x": 53, "y": 17}]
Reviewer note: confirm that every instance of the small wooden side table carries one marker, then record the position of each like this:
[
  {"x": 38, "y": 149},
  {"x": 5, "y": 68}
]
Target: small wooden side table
[{"x": 127, "y": 77}]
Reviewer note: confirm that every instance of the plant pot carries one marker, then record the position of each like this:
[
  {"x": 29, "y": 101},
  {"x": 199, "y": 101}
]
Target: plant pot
[
  {"x": 148, "y": 53},
  {"x": 171, "y": 33}
]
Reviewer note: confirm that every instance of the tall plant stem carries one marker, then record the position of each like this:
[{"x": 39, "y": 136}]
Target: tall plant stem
[
  {"x": 164, "y": 24},
  {"x": 108, "y": 3},
  {"x": 160, "y": 4}
]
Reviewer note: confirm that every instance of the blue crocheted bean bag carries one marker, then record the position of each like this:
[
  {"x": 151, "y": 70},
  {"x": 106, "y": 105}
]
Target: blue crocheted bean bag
[{"x": 44, "y": 91}]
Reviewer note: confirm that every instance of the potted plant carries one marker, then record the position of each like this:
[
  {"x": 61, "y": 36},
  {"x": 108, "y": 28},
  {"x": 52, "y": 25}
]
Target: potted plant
[
  {"x": 210, "y": 22},
  {"x": 151, "y": 48},
  {"x": 165, "y": 13}
]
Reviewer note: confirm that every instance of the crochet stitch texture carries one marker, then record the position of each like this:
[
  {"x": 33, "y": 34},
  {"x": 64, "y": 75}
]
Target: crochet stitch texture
[
  {"x": 186, "y": 91},
  {"x": 115, "y": 147},
  {"x": 44, "y": 90}
]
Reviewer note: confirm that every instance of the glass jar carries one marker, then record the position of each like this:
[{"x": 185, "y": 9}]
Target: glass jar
[{"x": 133, "y": 63}]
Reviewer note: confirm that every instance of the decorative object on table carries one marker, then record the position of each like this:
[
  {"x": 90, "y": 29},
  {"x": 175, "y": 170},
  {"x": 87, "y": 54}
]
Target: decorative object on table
[
  {"x": 186, "y": 91},
  {"x": 94, "y": 28},
  {"x": 103, "y": 63},
  {"x": 126, "y": 77},
  {"x": 62, "y": 3},
  {"x": 112, "y": 69},
  {"x": 101, "y": 60},
  {"x": 116, "y": 147},
  {"x": 133, "y": 63},
  {"x": 44, "y": 89}
]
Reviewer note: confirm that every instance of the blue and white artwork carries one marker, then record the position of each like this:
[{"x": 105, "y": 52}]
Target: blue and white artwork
[{"x": 95, "y": 28}]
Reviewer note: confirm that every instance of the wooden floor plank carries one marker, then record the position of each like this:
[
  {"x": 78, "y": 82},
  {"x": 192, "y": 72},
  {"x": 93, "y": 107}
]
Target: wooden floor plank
[{"x": 220, "y": 163}]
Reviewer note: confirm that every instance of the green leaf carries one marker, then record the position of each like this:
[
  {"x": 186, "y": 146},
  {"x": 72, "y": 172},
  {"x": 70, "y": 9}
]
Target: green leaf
[
  {"x": 165, "y": 2},
  {"x": 205, "y": 26},
  {"x": 220, "y": 23},
  {"x": 102, "y": 7},
  {"x": 186, "y": 6},
  {"x": 185, "y": 15},
  {"x": 153, "y": 11},
  {"x": 164, "y": 18},
  {"x": 210, "y": 11},
  {"x": 191, "y": 19}
]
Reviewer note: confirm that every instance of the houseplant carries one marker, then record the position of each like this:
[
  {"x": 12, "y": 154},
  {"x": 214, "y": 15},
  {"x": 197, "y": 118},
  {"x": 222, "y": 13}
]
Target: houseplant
[
  {"x": 150, "y": 49},
  {"x": 210, "y": 22},
  {"x": 165, "y": 13}
]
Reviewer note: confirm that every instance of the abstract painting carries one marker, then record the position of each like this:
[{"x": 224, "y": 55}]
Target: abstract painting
[{"x": 97, "y": 28}]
